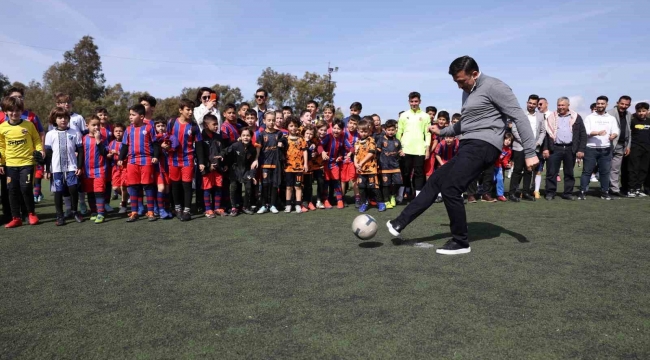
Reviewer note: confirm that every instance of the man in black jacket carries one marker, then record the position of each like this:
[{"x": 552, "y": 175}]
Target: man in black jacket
[{"x": 565, "y": 141}]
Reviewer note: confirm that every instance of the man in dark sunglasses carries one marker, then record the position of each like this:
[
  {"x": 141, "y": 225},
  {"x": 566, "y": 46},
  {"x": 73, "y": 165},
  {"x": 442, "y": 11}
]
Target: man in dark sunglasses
[{"x": 261, "y": 96}]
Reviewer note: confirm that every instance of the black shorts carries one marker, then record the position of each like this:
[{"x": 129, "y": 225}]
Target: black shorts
[
  {"x": 389, "y": 179},
  {"x": 19, "y": 177},
  {"x": 367, "y": 181},
  {"x": 268, "y": 176},
  {"x": 293, "y": 179}
]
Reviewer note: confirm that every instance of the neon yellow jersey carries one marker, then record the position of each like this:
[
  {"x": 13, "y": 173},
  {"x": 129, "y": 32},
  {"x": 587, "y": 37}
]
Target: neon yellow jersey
[
  {"x": 413, "y": 132},
  {"x": 18, "y": 142}
]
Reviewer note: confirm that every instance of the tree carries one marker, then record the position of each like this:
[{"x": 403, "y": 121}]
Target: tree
[
  {"x": 312, "y": 86},
  {"x": 38, "y": 100},
  {"x": 279, "y": 85},
  {"x": 4, "y": 84},
  {"x": 80, "y": 73}
]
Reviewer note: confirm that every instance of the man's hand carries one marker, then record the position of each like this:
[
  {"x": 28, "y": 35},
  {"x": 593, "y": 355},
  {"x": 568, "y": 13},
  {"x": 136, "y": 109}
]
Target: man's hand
[
  {"x": 201, "y": 167},
  {"x": 612, "y": 137},
  {"x": 531, "y": 163},
  {"x": 602, "y": 133},
  {"x": 254, "y": 165},
  {"x": 580, "y": 155},
  {"x": 434, "y": 129},
  {"x": 627, "y": 152},
  {"x": 154, "y": 160},
  {"x": 546, "y": 154}
]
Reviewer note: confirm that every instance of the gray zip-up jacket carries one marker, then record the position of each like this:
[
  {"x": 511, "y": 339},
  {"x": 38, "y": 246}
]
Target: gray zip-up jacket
[{"x": 485, "y": 112}]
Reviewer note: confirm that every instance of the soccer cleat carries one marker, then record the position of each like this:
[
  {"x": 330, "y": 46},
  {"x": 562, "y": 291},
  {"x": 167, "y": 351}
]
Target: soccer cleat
[
  {"x": 527, "y": 196},
  {"x": 83, "y": 208},
  {"x": 537, "y": 195},
  {"x": 36, "y": 200},
  {"x": 163, "y": 214},
  {"x": 273, "y": 210},
  {"x": 549, "y": 197},
  {"x": 220, "y": 212},
  {"x": 581, "y": 196},
  {"x": 262, "y": 210},
  {"x": 210, "y": 214},
  {"x": 363, "y": 208},
  {"x": 357, "y": 203},
  {"x": 453, "y": 248},
  {"x": 312, "y": 207},
  {"x": 78, "y": 217},
  {"x": 320, "y": 205},
  {"x": 108, "y": 208},
  {"x": 40, "y": 198},
  {"x": 340, "y": 204},
  {"x": 234, "y": 212},
  {"x": 640, "y": 193},
  {"x": 471, "y": 199},
  {"x": 299, "y": 209},
  {"x": 568, "y": 197},
  {"x": 248, "y": 211},
  {"x": 33, "y": 219},
  {"x": 114, "y": 197},
  {"x": 305, "y": 209},
  {"x": 68, "y": 214},
  {"x": 327, "y": 204},
  {"x": 393, "y": 202},
  {"x": 488, "y": 198},
  {"x": 381, "y": 206},
  {"x": 438, "y": 199},
  {"x": 389, "y": 205},
  {"x": 14, "y": 223},
  {"x": 372, "y": 202},
  {"x": 593, "y": 178},
  {"x": 99, "y": 219},
  {"x": 631, "y": 194},
  {"x": 60, "y": 220},
  {"x": 151, "y": 216},
  {"x": 287, "y": 209},
  {"x": 93, "y": 217},
  {"x": 605, "y": 197},
  {"x": 187, "y": 216},
  {"x": 502, "y": 198},
  {"x": 394, "y": 230},
  {"x": 133, "y": 216}
]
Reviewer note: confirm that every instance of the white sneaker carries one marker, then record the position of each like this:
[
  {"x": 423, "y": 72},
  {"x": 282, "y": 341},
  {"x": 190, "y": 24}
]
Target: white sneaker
[
  {"x": 263, "y": 210},
  {"x": 640, "y": 194},
  {"x": 593, "y": 179},
  {"x": 108, "y": 208},
  {"x": 122, "y": 210},
  {"x": 320, "y": 205},
  {"x": 298, "y": 209},
  {"x": 274, "y": 210},
  {"x": 287, "y": 209}
]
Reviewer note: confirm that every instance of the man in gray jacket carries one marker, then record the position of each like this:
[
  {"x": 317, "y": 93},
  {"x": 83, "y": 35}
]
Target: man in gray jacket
[
  {"x": 536, "y": 120},
  {"x": 620, "y": 145},
  {"x": 487, "y": 105}
]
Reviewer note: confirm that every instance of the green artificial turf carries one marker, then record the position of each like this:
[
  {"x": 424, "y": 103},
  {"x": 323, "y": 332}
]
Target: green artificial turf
[{"x": 545, "y": 280}]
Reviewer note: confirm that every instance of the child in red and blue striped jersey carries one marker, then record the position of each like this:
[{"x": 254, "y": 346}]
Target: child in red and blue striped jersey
[
  {"x": 161, "y": 174},
  {"x": 118, "y": 173},
  {"x": 95, "y": 150},
  {"x": 181, "y": 158},
  {"x": 333, "y": 150}
]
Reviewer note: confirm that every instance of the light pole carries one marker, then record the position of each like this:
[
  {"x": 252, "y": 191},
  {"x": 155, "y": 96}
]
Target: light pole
[{"x": 330, "y": 70}]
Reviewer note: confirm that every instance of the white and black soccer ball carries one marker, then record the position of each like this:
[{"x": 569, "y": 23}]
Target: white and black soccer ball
[{"x": 364, "y": 227}]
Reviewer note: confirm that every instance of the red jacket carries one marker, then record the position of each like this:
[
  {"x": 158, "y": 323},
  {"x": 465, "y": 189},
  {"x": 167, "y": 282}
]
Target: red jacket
[{"x": 504, "y": 158}]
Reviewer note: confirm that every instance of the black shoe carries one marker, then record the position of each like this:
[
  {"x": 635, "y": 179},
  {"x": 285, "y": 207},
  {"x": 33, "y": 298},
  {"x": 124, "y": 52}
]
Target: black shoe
[
  {"x": 453, "y": 248},
  {"x": 187, "y": 216},
  {"x": 568, "y": 197},
  {"x": 605, "y": 197},
  {"x": 394, "y": 229},
  {"x": 179, "y": 215},
  {"x": 77, "y": 217},
  {"x": 438, "y": 200},
  {"x": 248, "y": 211},
  {"x": 60, "y": 220},
  {"x": 549, "y": 197},
  {"x": 616, "y": 193},
  {"x": 513, "y": 198},
  {"x": 581, "y": 196},
  {"x": 528, "y": 197}
]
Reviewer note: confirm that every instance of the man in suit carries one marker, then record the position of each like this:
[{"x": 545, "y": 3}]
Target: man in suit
[
  {"x": 261, "y": 97},
  {"x": 537, "y": 123},
  {"x": 566, "y": 139},
  {"x": 620, "y": 145}
]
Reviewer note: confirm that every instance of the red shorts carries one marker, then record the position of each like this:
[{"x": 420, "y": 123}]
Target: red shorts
[
  {"x": 94, "y": 185},
  {"x": 348, "y": 172},
  {"x": 429, "y": 165},
  {"x": 212, "y": 179},
  {"x": 139, "y": 174},
  {"x": 162, "y": 178},
  {"x": 118, "y": 176},
  {"x": 332, "y": 174},
  {"x": 181, "y": 173},
  {"x": 38, "y": 173}
]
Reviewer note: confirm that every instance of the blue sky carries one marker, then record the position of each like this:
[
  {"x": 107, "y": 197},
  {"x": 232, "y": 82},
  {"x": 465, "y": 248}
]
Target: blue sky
[{"x": 384, "y": 49}]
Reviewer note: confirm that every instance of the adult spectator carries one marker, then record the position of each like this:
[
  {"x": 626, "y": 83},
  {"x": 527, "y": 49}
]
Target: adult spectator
[
  {"x": 620, "y": 145},
  {"x": 565, "y": 141},
  {"x": 601, "y": 129},
  {"x": 261, "y": 96},
  {"x": 487, "y": 104},
  {"x": 413, "y": 133},
  {"x": 207, "y": 106},
  {"x": 542, "y": 107},
  {"x": 536, "y": 121}
]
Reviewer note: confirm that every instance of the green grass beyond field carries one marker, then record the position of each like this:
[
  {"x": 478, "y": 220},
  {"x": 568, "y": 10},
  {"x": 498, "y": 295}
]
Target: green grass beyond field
[{"x": 545, "y": 280}]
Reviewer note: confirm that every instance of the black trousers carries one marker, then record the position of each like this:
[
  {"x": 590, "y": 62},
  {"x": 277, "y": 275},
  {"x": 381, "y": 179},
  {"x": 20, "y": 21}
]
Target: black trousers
[
  {"x": 485, "y": 179},
  {"x": 20, "y": 183},
  {"x": 474, "y": 156},
  {"x": 414, "y": 164},
  {"x": 561, "y": 154},
  {"x": 519, "y": 170},
  {"x": 638, "y": 163}
]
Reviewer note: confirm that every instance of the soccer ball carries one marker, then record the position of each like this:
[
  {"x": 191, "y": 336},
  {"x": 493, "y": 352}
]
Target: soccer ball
[{"x": 364, "y": 227}]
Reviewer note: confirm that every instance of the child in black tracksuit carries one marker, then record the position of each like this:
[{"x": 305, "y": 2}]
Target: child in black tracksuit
[
  {"x": 239, "y": 157},
  {"x": 639, "y": 159},
  {"x": 214, "y": 171}
]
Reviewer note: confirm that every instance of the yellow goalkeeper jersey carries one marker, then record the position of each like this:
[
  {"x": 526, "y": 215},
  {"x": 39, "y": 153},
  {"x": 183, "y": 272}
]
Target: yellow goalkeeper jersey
[{"x": 18, "y": 142}]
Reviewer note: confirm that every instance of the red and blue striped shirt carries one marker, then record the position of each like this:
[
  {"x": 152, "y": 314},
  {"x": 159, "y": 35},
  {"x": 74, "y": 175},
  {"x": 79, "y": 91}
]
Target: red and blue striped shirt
[
  {"x": 140, "y": 142},
  {"x": 229, "y": 133},
  {"x": 186, "y": 134},
  {"x": 95, "y": 164},
  {"x": 350, "y": 139},
  {"x": 447, "y": 152},
  {"x": 334, "y": 147}
]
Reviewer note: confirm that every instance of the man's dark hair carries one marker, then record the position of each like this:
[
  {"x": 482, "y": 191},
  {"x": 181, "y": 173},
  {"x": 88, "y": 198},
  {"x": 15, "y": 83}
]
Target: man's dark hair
[
  {"x": 602, "y": 97},
  {"x": 313, "y": 102},
  {"x": 149, "y": 99},
  {"x": 414, "y": 94},
  {"x": 431, "y": 108},
  {"x": 625, "y": 97},
  {"x": 592, "y": 106},
  {"x": 138, "y": 109},
  {"x": 266, "y": 93},
  {"x": 533, "y": 97},
  {"x": 642, "y": 105},
  {"x": 464, "y": 63},
  {"x": 356, "y": 106}
]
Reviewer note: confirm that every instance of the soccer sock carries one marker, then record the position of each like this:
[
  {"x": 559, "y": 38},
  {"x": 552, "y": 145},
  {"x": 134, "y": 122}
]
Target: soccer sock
[
  {"x": 37, "y": 187},
  {"x": 207, "y": 199},
  {"x": 386, "y": 192},
  {"x": 133, "y": 198},
  {"x": 166, "y": 201},
  {"x": 92, "y": 203},
  {"x": 149, "y": 190},
  {"x": 140, "y": 196},
  {"x": 107, "y": 193},
  {"x": 177, "y": 193},
  {"x": 58, "y": 203},
  {"x": 274, "y": 195},
  {"x": 67, "y": 202},
  {"x": 400, "y": 192},
  {"x": 82, "y": 197},
  {"x": 217, "y": 198},
  {"x": 160, "y": 200},
  {"x": 538, "y": 182},
  {"x": 187, "y": 195},
  {"x": 337, "y": 191},
  {"x": 156, "y": 208},
  {"x": 265, "y": 195},
  {"x": 363, "y": 195},
  {"x": 99, "y": 199},
  {"x": 74, "y": 196},
  {"x": 226, "y": 200}
]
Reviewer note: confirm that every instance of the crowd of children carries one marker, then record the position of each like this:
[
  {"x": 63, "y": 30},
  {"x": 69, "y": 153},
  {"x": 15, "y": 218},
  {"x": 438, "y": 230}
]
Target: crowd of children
[{"x": 239, "y": 166}]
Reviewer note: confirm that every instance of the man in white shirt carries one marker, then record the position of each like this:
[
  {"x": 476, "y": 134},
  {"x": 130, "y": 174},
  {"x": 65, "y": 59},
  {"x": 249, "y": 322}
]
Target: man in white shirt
[{"x": 602, "y": 129}]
